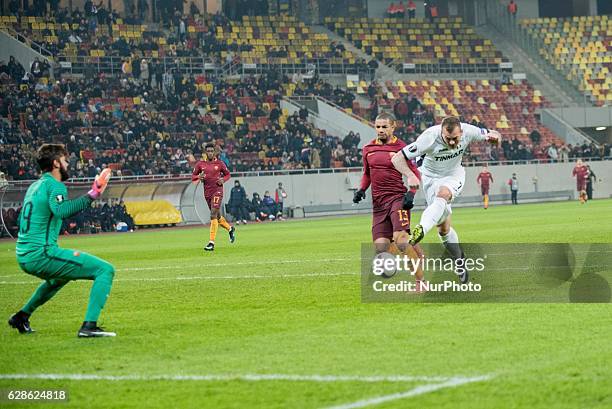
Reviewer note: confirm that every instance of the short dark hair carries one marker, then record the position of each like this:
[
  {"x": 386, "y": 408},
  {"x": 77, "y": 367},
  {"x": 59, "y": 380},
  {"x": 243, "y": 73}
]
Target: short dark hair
[
  {"x": 209, "y": 145},
  {"x": 386, "y": 115},
  {"x": 450, "y": 123},
  {"x": 49, "y": 152}
]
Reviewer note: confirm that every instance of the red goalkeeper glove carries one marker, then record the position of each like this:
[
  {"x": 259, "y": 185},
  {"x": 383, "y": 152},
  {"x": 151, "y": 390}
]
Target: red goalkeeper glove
[{"x": 99, "y": 185}]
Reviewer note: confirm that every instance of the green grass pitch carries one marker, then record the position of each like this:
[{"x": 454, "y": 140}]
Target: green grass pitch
[{"x": 285, "y": 300}]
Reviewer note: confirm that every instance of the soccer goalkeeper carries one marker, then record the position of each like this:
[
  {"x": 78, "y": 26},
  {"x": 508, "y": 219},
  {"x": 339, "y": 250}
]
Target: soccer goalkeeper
[{"x": 45, "y": 205}]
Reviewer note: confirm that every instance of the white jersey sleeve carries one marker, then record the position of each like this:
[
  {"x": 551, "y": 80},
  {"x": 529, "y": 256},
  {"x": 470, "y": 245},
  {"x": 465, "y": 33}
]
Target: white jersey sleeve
[
  {"x": 422, "y": 146},
  {"x": 473, "y": 133}
]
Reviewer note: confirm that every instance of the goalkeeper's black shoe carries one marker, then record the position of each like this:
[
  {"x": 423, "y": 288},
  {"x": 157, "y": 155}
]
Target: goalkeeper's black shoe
[
  {"x": 232, "y": 234},
  {"x": 210, "y": 246},
  {"x": 21, "y": 323},
  {"x": 417, "y": 235},
  {"x": 90, "y": 329}
]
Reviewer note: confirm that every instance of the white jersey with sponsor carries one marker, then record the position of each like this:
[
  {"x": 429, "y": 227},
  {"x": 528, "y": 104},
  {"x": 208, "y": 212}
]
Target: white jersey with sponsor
[{"x": 440, "y": 160}]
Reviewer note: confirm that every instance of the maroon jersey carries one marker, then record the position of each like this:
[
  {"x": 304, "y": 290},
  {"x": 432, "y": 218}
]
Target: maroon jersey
[
  {"x": 485, "y": 179},
  {"x": 213, "y": 171},
  {"x": 378, "y": 171},
  {"x": 582, "y": 174}
]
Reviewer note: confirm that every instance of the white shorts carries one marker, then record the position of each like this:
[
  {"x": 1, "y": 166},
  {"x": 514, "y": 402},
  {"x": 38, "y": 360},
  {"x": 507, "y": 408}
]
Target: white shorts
[{"x": 454, "y": 182}]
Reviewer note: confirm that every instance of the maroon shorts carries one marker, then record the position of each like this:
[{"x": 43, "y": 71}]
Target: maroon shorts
[
  {"x": 389, "y": 218},
  {"x": 484, "y": 189},
  {"x": 581, "y": 185},
  {"x": 214, "y": 200}
]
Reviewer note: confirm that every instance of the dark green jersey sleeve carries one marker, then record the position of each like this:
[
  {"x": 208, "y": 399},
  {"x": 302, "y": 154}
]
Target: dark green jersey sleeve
[{"x": 62, "y": 207}]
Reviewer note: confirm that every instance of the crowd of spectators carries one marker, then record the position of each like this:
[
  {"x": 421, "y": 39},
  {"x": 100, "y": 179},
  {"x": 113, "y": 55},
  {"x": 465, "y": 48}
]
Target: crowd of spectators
[
  {"x": 267, "y": 208},
  {"x": 100, "y": 217},
  {"x": 165, "y": 130}
]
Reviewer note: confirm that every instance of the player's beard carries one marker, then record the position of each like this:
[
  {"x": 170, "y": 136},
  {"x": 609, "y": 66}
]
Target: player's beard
[{"x": 64, "y": 174}]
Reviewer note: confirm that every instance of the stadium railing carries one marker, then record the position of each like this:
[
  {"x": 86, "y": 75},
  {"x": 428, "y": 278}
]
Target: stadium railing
[
  {"x": 30, "y": 43},
  {"x": 200, "y": 65},
  {"x": 187, "y": 176},
  {"x": 464, "y": 69},
  {"x": 112, "y": 64}
]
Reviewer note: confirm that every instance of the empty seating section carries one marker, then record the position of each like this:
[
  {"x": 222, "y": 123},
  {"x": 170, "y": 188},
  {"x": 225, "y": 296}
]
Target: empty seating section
[
  {"x": 580, "y": 48},
  {"x": 446, "y": 41},
  {"x": 279, "y": 40},
  {"x": 509, "y": 108}
]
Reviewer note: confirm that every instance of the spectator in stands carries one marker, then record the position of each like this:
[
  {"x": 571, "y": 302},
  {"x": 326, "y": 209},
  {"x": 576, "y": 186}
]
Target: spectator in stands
[
  {"x": 411, "y": 8},
  {"x": 372, "y": 67},
  {"x": 237, "y": 203},
  {"x": 431, "y": 10},
  {"x": 400, "y": 10},
  {"x": 512, "y": 9},
  {"x": 15, "y": 69},
  {"x": 564, "y": 153},
  {"x": 391, "y": 10},
  {"x": 535, "y": 137},
  {"x": 552, "y": 153}
]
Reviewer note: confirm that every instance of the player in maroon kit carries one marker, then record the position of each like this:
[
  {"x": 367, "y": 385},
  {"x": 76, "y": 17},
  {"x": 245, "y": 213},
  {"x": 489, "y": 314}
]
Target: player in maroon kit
[
  {"x": 212, "y": 172},
  {"x": 581, "y": 172},
  {"x": 390, "y": 198},
  {"x": 484, "y": 179}
]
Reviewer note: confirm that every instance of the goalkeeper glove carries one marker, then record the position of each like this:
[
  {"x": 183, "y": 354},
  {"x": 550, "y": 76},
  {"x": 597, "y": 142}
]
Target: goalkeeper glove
[
  {"x": 359, "y": 196},
  {"x": 99, "y": 185},
  {"x": 408, "y": 200}
]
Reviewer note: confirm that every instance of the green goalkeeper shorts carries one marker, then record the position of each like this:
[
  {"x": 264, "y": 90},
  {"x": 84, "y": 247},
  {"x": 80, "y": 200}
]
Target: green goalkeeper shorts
[{"x": 63, "y": 264}]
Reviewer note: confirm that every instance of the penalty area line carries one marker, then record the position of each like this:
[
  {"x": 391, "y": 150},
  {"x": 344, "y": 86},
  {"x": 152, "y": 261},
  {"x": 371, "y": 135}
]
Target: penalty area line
[{"x": 419, "y": 390}]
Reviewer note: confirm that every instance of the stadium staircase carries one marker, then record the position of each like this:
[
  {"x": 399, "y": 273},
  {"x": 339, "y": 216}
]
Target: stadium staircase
[
  {"x": 23, "y": 48},
  {"x": 383, "y": 72}
]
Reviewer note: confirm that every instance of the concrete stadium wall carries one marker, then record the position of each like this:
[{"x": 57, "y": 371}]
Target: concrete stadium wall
[
  {"x": 338, "y": 188},
  {"x": 343, "y": 120}
]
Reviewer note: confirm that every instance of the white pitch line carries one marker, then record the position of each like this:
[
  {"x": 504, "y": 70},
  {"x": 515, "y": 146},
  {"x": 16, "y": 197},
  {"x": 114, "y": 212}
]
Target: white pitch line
[
  {"x": 245, "y": 377},
  {"x": 419, "y": 390},
  {"x": 245, "y": 263},
  {"x": 250, "y": 263},
  {"x": 187, "y": 278}
]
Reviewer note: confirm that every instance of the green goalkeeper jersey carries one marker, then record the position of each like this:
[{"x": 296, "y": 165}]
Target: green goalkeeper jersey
[{"x": 45, "y": 205}]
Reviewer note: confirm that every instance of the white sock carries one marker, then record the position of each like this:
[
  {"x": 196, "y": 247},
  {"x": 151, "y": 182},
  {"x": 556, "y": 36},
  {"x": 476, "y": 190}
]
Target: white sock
[
  {"x": 432, "y": 214},
  {"x": 451, "y": 242}
]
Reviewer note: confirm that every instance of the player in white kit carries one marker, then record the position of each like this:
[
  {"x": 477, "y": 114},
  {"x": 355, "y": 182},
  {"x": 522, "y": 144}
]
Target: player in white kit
[{"x": 443, "y": 177}]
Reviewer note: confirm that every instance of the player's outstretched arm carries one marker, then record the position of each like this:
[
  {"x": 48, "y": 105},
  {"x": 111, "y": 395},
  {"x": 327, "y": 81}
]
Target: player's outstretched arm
[
  {"x": 493, "y": 137},
  {"x": 63, "y": 208},
  {"x": 407, "y": 168}
]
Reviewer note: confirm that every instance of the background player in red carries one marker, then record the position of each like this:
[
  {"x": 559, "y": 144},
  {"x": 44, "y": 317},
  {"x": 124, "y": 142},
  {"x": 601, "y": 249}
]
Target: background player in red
[
  {"x": 581, "y": 172},
  {"x": 212, "y": 172},
  {"x": 390, "y": 198},
  {"x": 485, "y": 178}
]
